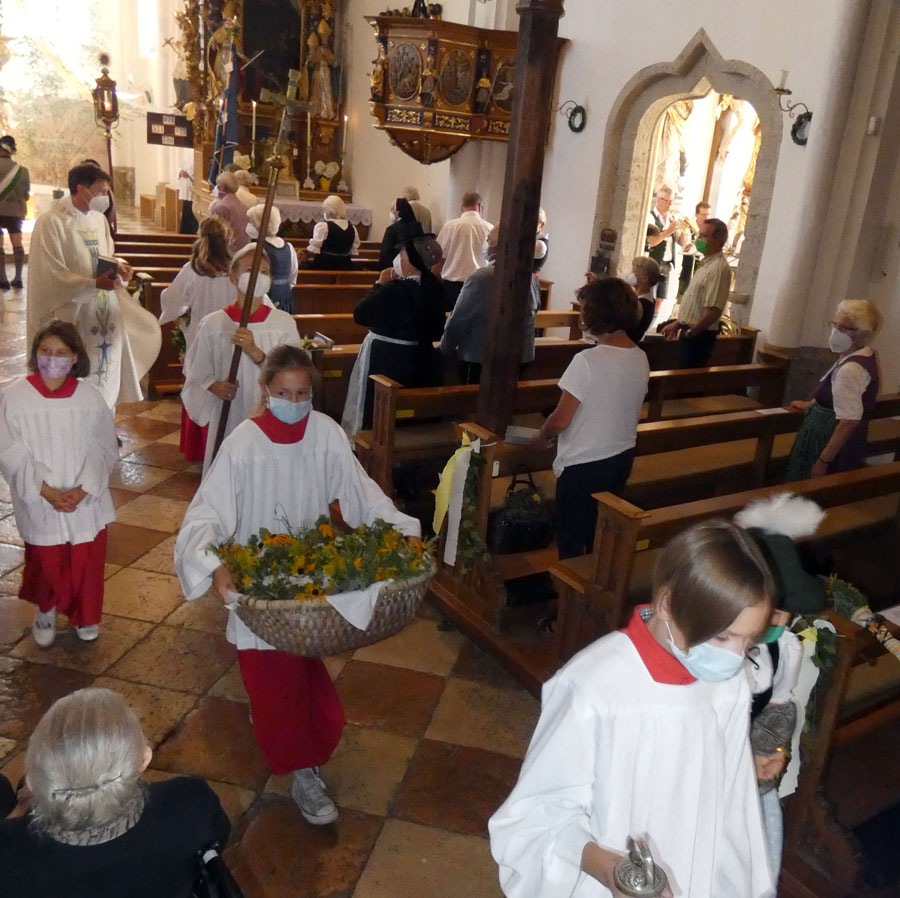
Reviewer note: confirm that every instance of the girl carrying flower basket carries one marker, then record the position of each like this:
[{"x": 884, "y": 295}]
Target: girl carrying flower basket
[{"x": 281, "y": 469}]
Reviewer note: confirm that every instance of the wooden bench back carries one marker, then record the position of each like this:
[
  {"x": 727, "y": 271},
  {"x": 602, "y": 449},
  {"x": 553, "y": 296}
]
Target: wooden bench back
[{"x": 729, "y": 349}]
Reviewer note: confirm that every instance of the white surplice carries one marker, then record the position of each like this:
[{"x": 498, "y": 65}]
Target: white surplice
[
  {"x": 616, "y": 753},
  {"x": 208, "y": 360},
  {"x": 121, "y": 338},
  {"x": 64, "y": 442},
  {"x": 198, "y": 294},
  {"x": 256, "y": 483}
]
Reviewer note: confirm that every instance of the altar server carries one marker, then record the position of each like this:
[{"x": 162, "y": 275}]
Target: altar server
[
  {"x": 282, "y": 468},
  {"x": 122, "y": 339},
  {"x": 209, "y": 357},
  {"x": 202, "y": 286},
  {"x": 57, "y": 448},
  {"x": 645, "y": 733}
]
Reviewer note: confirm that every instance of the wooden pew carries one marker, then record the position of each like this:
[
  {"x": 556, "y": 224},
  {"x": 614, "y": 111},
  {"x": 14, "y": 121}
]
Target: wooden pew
[{"x": 341, "y": 327}]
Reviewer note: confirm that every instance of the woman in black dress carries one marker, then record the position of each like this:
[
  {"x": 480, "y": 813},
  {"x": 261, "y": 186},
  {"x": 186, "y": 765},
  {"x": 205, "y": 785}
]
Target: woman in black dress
[
  {"x": 403, "y": 224},
  {"x": 334, "y": 241},
  {"x": 404, "y": 312}
]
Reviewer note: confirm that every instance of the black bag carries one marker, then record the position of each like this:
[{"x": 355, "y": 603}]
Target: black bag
[
  {"x": 524, "y": 522},
  {"x": 214, "y": 879}
]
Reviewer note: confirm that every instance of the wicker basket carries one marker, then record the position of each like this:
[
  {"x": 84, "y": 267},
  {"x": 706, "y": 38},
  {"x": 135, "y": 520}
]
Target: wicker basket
[{"x": 316, "y": 630}]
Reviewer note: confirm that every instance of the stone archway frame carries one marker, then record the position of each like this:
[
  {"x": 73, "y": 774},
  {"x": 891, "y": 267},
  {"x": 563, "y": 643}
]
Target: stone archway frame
[{"x": 624, "y": 191}]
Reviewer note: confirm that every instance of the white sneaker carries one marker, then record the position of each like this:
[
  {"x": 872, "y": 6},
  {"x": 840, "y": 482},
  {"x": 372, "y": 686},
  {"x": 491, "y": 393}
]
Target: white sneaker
[
  {"x": 308, "y": 790},
  {"x": 88, "y": 633},
  {"x": 44, "y": 628}
]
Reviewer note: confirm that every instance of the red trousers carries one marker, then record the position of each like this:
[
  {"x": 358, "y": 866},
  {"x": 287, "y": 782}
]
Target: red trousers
[
  {"x": 193, "y": 438},
  {"x": 67, "y": 577},
  {"x": 297, "y": 716}
]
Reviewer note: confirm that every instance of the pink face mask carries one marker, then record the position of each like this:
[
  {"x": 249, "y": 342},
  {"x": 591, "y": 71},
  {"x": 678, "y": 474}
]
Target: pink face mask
[{"x": 54, "y": 366}]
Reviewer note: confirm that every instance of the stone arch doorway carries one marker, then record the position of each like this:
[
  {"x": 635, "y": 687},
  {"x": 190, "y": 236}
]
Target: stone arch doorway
[{"x": 625, "y": 177}]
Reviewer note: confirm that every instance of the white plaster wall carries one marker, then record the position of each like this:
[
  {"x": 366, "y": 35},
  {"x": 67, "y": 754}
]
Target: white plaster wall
[
  {"x": 378, "y": 171},
  {"x": 609, "y": 43}
]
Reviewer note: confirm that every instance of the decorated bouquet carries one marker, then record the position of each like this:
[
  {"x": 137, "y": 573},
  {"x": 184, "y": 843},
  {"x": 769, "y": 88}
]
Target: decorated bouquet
[{"x": 322, "y": 560}]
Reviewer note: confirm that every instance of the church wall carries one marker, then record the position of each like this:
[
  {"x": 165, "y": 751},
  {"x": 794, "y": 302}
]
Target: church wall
[
  {"x": 808, "y": 37},
  {"x": 379, "y": 171}
]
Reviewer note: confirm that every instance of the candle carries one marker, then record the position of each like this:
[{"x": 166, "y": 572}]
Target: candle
[
  {"x": 253, "y": 129},
  {"x": 344, "y": 139},
  {"x": 784, "y": 77},
  {"x": 309, "y": 131}
]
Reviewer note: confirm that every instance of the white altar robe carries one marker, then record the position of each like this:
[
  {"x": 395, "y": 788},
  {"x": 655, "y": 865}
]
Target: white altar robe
[
  {"x": 195, "y": 293},
  {"x": 64, "y": 442},
  {"x": 616, "y": 753},
  {"x": 209, "y": 358},
  {"x": 122, "y": 339},
  {"x": 256, "y": 483}
]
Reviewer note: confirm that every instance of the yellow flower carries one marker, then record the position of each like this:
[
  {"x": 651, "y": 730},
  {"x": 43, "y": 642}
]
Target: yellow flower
[
  {"x": 326, "y": 530},
  {"x": 357, "y": 562}
]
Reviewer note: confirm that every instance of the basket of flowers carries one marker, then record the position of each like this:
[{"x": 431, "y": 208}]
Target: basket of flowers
[{"x": 324, "y": 591}]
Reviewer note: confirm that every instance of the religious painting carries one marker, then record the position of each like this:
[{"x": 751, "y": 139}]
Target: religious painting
[
  {"x": 405, "y": 71},
  {"x": 456, "y": 77},
  {"x": 273, "y": 27},
  {"x": 504, "y": 80}
]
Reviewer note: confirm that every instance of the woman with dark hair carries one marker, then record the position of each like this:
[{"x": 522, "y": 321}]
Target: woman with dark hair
[
  {"x": 596, "y": 418},
  {"x": 93, "y": 829},
  {"x": 200, "y": 288},
  {"x": 404, "y": 312},
  {"x": 57, "y": 449},
  {"x": 403, "y": 222}
]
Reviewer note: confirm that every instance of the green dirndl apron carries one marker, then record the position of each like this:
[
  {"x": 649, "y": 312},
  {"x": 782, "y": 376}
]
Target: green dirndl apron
[{"x": 815, "y": 432}]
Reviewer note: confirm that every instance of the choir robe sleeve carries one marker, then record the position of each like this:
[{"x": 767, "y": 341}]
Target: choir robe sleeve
[
  {"x": 22, "y": 471},
  {"x": 212, "y": 517},
  {"x": 539, "y": 833},
  {"x": 362, "y": 500},
  {"x": 103, "y": 455},
  {"x": 176, "y": 299},
  {"x": 199, "y": 373}
]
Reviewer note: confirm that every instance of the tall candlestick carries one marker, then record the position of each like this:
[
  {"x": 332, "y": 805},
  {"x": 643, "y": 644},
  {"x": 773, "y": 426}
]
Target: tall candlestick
[
  {"x": 253, "y": 129},
  {"x": 344, "y": 139},
  {"x": 784, "y": 76},
  {"x": 309, "y": 131}
]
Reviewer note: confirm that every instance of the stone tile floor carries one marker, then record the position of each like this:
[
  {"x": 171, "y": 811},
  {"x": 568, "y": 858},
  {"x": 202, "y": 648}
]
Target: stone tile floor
[{"x": 435, "y": 729}]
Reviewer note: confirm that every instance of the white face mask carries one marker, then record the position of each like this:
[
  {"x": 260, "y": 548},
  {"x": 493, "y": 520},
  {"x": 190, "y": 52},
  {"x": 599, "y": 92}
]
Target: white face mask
[
  {"x": 631, "y": 279},
  {"x": 263, "y": 282},
  {"x": 393, "y": 216},
  {"x": 398, "y": 265},
  {"x": 838, "y": 341},
  {"x": 99, "y": 203},
  {"x": 252, "y": 232}
]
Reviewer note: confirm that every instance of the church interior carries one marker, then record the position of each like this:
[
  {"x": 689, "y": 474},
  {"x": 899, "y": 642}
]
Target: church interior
[{"x": 625, "y": 127}]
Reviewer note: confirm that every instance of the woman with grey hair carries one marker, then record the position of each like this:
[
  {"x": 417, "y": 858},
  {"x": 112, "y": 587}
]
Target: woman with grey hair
[
  {"x": 94, "y": 829},
  {"x": 834, "y": 432},
  {"x": 334, "y": 241}
]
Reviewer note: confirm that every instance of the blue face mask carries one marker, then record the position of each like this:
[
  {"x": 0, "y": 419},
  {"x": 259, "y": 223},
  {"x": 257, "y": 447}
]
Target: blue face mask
[
  {"x": 289, "y": 412},
  {"x": 706, "y": 661},
  {"x": 773, "y": 634}
]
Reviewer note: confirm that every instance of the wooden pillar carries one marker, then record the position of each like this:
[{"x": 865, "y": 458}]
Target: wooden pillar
[{"x": 536, "y": 59}]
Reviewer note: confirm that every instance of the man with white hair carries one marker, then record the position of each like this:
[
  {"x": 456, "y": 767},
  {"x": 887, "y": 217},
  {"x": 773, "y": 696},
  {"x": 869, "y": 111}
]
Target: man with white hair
[
  {"x": 230, "y": 207},
  {"x": 465, "y": 330},
  {"x": 282, "y": 257},
  {"x": 661, "y": 246},
  {"x": 334, "y": 241},
  {"x": 420, "y": 210},
  {"x": 462, "y": 240}
]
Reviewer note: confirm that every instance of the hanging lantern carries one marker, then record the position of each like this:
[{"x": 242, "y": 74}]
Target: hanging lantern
[{"x": 106, "y": 103}]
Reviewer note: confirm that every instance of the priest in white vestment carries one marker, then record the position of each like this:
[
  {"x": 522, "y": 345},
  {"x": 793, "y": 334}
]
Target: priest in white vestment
[
  {"x": 122, "y": 339},
  {"x": 208, "y": 360}
]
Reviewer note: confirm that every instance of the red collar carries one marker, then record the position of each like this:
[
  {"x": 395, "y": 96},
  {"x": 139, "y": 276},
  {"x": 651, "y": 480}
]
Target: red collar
[
  {"x": 64, "y": 392},
  {"x": 663, "y": 667},
  {"x": 234, "y": 313},
  {"x": 279, "y": 432}
]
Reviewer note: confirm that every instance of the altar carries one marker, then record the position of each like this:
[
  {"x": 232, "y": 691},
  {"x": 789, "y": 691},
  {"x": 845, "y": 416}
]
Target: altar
[{"x": 310, "y": 211}]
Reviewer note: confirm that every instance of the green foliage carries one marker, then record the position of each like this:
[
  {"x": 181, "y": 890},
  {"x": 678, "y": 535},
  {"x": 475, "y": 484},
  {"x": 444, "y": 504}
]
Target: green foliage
[{"x": 472, "y": 548}]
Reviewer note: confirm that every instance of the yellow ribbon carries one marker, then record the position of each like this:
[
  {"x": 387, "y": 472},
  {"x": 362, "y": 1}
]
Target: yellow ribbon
[{"x": 442, "y": 493}]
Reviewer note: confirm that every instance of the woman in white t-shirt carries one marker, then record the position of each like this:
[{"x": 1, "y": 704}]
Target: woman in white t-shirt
[{"x": 597, "y": 416}]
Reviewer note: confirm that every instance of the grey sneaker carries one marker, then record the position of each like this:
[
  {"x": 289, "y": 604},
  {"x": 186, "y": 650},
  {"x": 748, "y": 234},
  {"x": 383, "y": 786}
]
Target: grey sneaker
[
  {"x": 88, "y": 633},
  {"x": 308, "y": 790},
  {"x": 44, "y": 628}
]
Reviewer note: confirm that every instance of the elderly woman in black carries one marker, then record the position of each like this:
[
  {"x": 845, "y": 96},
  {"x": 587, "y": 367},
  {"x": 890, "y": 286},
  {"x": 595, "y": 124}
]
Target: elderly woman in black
[
  {"x": 94, "y": 829},
  {"x": 403, "y": 224},
  {"x": 404, "y": 312}
]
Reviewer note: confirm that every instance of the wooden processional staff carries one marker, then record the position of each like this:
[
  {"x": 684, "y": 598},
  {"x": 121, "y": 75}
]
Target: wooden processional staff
[{"x": 276, "y": 163}]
